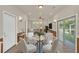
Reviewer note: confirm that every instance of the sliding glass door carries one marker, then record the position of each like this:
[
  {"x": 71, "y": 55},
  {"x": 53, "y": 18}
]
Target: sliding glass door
[{"x": 67, "y": 33}]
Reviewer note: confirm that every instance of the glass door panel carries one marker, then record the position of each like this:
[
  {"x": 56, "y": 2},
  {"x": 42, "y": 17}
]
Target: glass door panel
[
  {"x": 60, "y": 36},
  {"x": 67, "y": 33}
]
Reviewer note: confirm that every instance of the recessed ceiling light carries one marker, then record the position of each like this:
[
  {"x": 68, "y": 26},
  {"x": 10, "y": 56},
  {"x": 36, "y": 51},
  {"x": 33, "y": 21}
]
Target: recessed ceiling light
[
  {"x": 20, "y": 18},
  {"x": 54, "y": 20},
  {"x": 40, "y": 6}
]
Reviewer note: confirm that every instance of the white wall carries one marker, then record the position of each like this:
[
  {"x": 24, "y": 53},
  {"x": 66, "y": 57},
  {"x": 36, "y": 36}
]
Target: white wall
[
  {"x": 1, "y": 30},
  {"x": 13, "y": 10},
  {"x": 66, "y": 12}
]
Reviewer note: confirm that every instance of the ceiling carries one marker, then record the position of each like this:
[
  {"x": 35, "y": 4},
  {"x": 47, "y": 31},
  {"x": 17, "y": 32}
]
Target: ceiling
[{"x": 47, "y": 12}]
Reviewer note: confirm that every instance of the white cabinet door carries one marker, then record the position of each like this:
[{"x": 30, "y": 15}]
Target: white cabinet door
[{"x": 9, "y": 31}]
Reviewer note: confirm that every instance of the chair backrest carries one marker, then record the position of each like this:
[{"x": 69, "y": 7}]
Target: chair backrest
[
  {"x": 30, "y": 35},
  {"x": 49, "y": 37},
  {"x": 54, "y": 45}
]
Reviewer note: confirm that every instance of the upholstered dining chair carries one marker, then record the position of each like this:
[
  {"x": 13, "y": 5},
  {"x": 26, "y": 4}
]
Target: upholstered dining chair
[
  {"x": 30, "y": 48},
  {"x": 48, "y": 47}
]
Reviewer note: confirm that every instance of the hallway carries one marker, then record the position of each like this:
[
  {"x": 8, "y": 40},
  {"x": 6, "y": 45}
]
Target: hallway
[{"x": 39, "y": 28}]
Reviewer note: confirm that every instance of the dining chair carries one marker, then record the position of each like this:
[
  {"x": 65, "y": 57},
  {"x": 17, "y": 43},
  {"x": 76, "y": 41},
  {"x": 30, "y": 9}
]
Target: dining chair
[{"x": 30, "y": 48}]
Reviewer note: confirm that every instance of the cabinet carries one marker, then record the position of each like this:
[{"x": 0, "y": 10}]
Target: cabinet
[
  {"x": 1, "y": 45},
  {"x": 77, "y": 45},
  {"x": 20, "y": 36}
]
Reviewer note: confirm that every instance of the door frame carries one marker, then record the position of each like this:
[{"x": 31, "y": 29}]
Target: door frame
[{"x": 11, "y": 14}]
